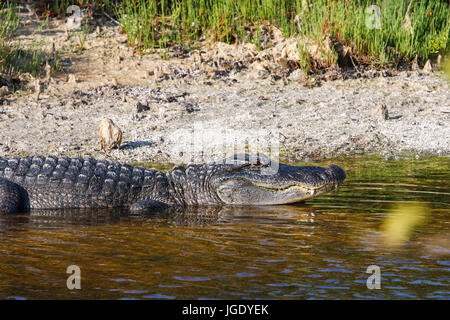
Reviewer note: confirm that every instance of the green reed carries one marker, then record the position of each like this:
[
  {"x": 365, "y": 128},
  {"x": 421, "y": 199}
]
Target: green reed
[{"x": 153, "y": 24}]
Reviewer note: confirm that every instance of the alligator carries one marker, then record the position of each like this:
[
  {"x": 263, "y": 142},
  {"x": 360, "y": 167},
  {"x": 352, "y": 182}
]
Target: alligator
[{"x": 50, "y": 182}]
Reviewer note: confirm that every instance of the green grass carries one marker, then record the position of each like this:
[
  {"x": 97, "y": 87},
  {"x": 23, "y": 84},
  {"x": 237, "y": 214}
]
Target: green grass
[
  {"x": 155, "y": 24},
  {"x": 346, "y": 23},
  {"x": 158, "y": 24},
  {"x": 446, "y": 67},
  {"x": 16, "y": 58},
  {"x": 9, "y": 22},
  {"x": 59, "y": 7}
]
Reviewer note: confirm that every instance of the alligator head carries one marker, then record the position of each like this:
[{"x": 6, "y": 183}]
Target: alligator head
[{"x": 256, "y": 180}]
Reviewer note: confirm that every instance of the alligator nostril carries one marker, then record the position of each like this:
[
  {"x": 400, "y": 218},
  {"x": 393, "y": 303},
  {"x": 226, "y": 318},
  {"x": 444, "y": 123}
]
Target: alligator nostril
[{"x": 335, "y": 172}]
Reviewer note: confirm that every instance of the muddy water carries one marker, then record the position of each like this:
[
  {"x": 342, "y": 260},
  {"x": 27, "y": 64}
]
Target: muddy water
[{"x": 319, "y": 249}]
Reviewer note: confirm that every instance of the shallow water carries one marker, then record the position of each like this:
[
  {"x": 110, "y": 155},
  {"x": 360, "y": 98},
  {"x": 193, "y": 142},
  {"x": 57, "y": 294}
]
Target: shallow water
[{"x": 319, "y": 249}]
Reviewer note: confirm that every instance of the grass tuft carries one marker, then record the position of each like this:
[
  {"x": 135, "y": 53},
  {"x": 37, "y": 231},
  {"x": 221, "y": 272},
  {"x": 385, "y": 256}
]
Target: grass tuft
[
  {"x": 405, "y": 28},
  {"x": 15, "y": 58},
  {"x": 158, "y": 24}
]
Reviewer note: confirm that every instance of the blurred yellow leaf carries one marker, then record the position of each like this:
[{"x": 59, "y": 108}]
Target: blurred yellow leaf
[
  {"x": 446, "y": 66},
  {"x": 401, "y": 222}
]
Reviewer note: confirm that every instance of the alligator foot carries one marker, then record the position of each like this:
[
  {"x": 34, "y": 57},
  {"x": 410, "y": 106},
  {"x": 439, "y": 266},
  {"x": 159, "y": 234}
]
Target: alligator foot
[
  {"x": 146, "y": 206},
  {"x": 11, "y": 197}
]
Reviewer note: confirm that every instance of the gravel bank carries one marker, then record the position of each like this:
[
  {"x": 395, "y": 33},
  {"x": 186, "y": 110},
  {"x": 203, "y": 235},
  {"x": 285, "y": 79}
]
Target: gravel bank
[{"x": 338, "y": 118}]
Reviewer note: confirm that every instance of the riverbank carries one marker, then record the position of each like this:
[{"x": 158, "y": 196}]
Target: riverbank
[
  {"x": 186, "y": 105},
  {"x": 338, "y": 118}
]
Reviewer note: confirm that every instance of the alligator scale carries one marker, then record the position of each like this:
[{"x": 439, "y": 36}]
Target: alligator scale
[{"x": 61, "y": 182}]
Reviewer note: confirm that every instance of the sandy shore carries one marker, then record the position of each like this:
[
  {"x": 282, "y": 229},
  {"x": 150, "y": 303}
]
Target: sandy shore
[{"x": 339, "y": 118}]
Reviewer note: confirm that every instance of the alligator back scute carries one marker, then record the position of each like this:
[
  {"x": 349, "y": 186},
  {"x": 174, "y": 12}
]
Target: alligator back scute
[
  {"x": 52, "y": 182},
  {"x": 57, "y": 174},
  {"x": 87, "y": 169},
  {"x": 25, "y": 162},
  {"x": 39, "y": 160},
  {"x": 109, "y": 186},
  {"x": 137, "y": 177},
  {"x": 82, "y": 182},
  {"x": 51, "y": 160},
  {"x": 33, "y": 170},
  {"x": 64, "y": 182},
  {"x": 95, "y": 183},
  {"x": 47, "y": 169},
  {"x": 3, "y": 165},
  {"x": 13, "y": 163}
]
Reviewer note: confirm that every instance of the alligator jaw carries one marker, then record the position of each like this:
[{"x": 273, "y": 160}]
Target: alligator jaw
[
  {"x": 242, "y": 192},
  {"x": 302, "y": 191},
  {"x": 289, "y": 184}
]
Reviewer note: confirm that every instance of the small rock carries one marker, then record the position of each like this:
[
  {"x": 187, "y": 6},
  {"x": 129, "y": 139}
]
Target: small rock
[
  {"x": 189, "y": 107},
  {"x": 37, "y": 88},
  {"x": 290, "y": 65},
  {"x": 110, "y": 134},
  {"x": 296, "y": 75},
  {"x": 407, "y": 23},
  {"x": 439, "y": 61},
  {"x": 72, "y": 79},
  {"x": 142, "y": 106},
  {"x": 427, "y": 67},
  {"x": 415, "y": 65},
  {"x": 156, "y": 73},
  {"x": 381, "y": 113},
  {"x": 48, "y": 71},
  {"x": 3, "y": 91}
]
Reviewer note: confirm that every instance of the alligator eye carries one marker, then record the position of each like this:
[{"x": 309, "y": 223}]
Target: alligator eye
[{"x": 258, "y": 164}]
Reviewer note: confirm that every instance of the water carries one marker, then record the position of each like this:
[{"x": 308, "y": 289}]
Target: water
[{"x": 320, "y": 249}]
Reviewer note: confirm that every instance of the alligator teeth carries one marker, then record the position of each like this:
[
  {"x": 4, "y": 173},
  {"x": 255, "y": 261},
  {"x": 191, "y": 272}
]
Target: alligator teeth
[{"x": 312, "y": 191}]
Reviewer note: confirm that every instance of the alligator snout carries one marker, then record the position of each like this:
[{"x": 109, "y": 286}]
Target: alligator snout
[{"x": 334, "y": 173}]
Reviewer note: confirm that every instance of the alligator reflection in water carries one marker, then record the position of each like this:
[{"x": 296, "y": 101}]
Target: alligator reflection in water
[{"x": 189, "y": 216}]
